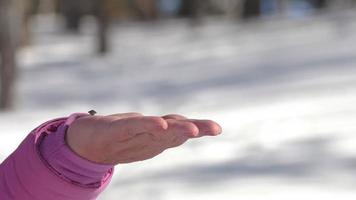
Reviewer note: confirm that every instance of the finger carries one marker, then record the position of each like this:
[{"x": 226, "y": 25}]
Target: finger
[
  {"x": 179, "y": 128},
  {"x": 129, "y": 127},
  {"x": 174, "y": 116},
  {"x": 126, "y": 115},
  {"x": 176, "y": 134},
  {"x": 206, "y": 127}
]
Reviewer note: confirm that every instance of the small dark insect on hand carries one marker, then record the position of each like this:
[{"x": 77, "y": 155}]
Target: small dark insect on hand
[{"x": 92, "y": 112}]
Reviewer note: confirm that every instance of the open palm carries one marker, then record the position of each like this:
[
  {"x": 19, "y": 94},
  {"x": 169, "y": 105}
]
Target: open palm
[{"x": 130, "y": 137}]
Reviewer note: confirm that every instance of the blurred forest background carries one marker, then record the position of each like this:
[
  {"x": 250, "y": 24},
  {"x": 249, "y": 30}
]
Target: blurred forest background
[
  {"x": 278, "y": 75},
  {"x": 15, "y": 17}
]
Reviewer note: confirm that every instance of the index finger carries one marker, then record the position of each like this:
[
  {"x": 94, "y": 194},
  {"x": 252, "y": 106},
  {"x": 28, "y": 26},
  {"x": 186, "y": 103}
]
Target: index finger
[{"x": 206, "y": 127}]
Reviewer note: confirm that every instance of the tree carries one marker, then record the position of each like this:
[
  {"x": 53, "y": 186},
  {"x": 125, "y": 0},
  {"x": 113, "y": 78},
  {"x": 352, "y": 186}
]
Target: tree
[
  {"x": 251, "y": 9},
  {"x": 73, "y": 12},
  {"x": 319, "y": 4},
  {"x": 9, "y": 23},
  {"x": 189, "y": 8},
  {"x": 192, "y": 10},
  {"x": 146, "y": 9},
  {"x": 102, "y": 15}
]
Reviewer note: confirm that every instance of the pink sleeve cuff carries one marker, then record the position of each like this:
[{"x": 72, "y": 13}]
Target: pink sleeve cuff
[
  {"x": 28, "y": 173},
  {"x": 66, "y": 163}
]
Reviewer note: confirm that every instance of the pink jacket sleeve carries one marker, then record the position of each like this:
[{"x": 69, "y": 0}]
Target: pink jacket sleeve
[{"x": 26, "y": 175}]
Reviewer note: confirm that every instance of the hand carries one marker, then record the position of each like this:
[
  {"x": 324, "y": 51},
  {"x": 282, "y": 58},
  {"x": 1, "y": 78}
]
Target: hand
[{"x": 130, "y": 137}]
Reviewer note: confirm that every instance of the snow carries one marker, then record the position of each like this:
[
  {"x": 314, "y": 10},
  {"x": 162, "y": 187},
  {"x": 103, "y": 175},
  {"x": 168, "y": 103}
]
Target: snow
[{"x": 283, "y": 91}]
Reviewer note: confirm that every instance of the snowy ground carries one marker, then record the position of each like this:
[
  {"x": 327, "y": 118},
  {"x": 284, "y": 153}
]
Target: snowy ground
[{"x": 283, "y": 91}]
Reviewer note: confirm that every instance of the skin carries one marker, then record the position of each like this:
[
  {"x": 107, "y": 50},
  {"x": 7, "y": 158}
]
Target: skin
[{"x": 131, "y": 137}]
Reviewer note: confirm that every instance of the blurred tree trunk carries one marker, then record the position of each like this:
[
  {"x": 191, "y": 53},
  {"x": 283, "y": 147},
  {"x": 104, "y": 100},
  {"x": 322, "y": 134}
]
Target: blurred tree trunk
[
  {"x": 102, "y": 15},
  {"x": 72, "y": 12},
  {"x": 251, "y": 9},
  {"x": 9, "y": 23},
  {"x": 319, "y": 4},
  {"x": 25, "y": 9},
  {"x": 147, "y": 9},
  {"x": 192, "y": 10}
]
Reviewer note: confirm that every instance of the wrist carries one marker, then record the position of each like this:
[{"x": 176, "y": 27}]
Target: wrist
[
  {"x": 69, "y": 164},
  {"x": 82, "y": 140}
]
